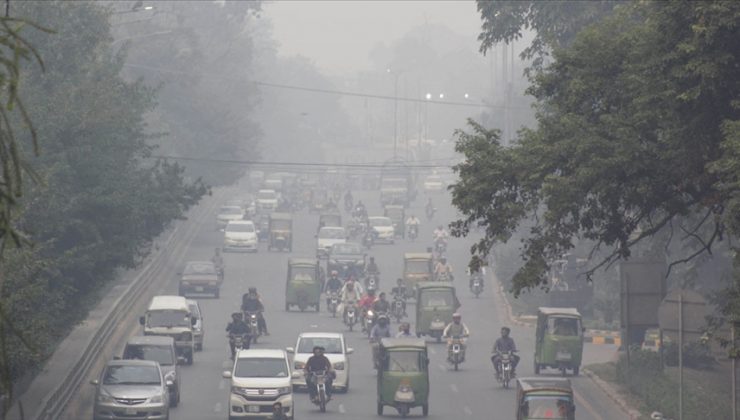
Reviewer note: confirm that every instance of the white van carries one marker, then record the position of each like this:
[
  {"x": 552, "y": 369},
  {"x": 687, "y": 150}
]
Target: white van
[
  {"x": 170, "y": 316},
  {"x": 259, "y": 379}
]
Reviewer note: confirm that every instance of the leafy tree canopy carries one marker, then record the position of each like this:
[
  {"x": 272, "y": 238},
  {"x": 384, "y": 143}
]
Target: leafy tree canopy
[{"x": 637, "y": 129}]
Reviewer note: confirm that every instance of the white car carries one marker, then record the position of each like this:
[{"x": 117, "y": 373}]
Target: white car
[
  {"x": 259, "y": 379},
  {"x": 240, "y": 235},
  {"x": 433, "y": 184},
  {"x": 227, "y": 214},
  {"x": 267, "y": 201},
  {"x": 327, "y": 237},
  {"x": 383, "y": 227},
  {"x": 335, "y": 349}
]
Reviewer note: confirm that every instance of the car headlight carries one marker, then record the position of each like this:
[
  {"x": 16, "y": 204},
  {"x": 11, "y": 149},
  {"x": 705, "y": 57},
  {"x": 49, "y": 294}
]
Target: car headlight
[
  {"x": 170, "y": 376},
  {"x": 285, "y": 390},
  {"x": 105, "y": 398},
  {"x": 238, "y": 390},
  {"x": 230, "y": 241},
  {"x": 156, "y": 399},
  {"x": 339, "y": 366},
  {"x": 299, "y": 365}
]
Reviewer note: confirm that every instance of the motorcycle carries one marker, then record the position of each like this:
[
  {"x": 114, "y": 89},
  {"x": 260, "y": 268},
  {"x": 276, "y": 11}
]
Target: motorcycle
[
  {"x": 240, "y": 342},
  {"x": 350, "y": 316},
  {"x": 368, "y": 240},
  {"x": 372, "y": 281},
  {"x": 456, "y": 351},
  {"x": 440, "y": 246},
  {"x": 252, "y": 318},
  {"x": 368, "y": 321},
  {"x": 430, "y": 211},
  {"x": 413, "y": 232},
  {"x": 319, "y": 381},
  {"x": 333, "y": 304},
  {"x": 397, "y": 308},
  {"x": 477, "y": 286},
  {"x": 445, "y": 276},
  {"x": 503, "y": 371}
]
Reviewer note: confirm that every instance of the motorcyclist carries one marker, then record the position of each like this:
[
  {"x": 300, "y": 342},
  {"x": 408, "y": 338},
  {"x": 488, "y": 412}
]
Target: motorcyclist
[
  {"x": 237, "y": 327},
  {"x": 412, "y": 223},
  {"x": 277, "y": 412},
  {"x": 349, "y": 295},
  {"x": 400, "y": 292},
  {"x": 368, "y": 300},
  {"x": 381, "y": 329},
  {"x": 372, "y": 267},
  {"x": 440, "y": 233},
  {"x": 502, "y": 345},
  {"x": 479, "y": 273},
  {"x": 317, "y": 363},
  {"x": 404, "y": 330},
  {"x": 456, "y": 329},
  {"x": 334, "y": 284},
  {"x": 356, "y": 284},
  {"x": 251, "y": 302},
  {"x": 381, "y": 306},
  {"x": 443, "y": 269}
]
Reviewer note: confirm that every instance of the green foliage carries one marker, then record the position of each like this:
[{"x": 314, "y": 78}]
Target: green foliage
[
  {"x": 696, "y": 355},
  {"x": 102, "y": 199},
  {"x": 630, "y": 116}
]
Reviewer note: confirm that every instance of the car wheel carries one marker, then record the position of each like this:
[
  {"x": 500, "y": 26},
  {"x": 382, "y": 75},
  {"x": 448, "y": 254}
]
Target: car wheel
[
  {"x": 425, "y": 410},
  {"x": 380, "y": 409}
]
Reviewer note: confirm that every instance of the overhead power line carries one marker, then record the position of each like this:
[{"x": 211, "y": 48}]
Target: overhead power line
[{"x": 331, "y": 91}]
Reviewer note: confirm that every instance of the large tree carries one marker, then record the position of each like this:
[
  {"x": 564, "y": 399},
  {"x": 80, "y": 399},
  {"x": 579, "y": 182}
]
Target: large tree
[{"x": 637, "y": 130}]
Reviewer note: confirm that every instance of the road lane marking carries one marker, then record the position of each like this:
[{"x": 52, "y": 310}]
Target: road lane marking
[
  {"x": 468, "y": 411},
  {"x": 341, "y": 409},
  {"x": 454, "y": 389},
  {"x": 217, "y": 408},
  {"x": 582, "y": 401}
]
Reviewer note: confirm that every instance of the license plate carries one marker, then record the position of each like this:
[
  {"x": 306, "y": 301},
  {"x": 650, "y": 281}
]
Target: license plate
[
  {"x": 253, "y": 408},
  {"x": 130, "y": 411},
  {"x": 561, "y": 355},
  {"x": 199, "y": 289}
]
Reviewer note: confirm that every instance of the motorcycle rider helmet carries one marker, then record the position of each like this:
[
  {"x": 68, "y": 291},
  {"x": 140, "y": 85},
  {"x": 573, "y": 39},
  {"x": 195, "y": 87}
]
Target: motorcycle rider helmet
[
  {"x": 236, "y": 316},
  {"x": 456, "y": 316},
  {"x": 382, "y": 320},
  {"x": 505, "y": 330},
  {"x": 334, "y": 273},
  {"x": 382, "y": 295},
  {"x": 253, "y": 290},
  {"x": 443, "y": 260}
]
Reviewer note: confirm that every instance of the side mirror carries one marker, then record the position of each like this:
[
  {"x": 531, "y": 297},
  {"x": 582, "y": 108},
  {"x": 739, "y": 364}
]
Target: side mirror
[
  {"x": 193, "y": 321},
  {"x": 94, "y": 382},
  {"x": 350, "y": 350},
  {"x": 142, "y": 320},
  {"x": 290, "y": 350},
  {"x": 295, "y": 375},
  {"x": 169, "y": 383},
  {"x": 226, "y": 374},
  {"x": 181, "y": 360}
]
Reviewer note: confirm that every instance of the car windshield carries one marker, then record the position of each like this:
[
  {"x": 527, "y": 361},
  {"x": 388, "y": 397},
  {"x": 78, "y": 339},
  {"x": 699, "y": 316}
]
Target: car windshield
[
  {"x": 563, "y": 326},
  {"x": 227, "y": 210},
  {"x": 303, "y": 274},
  {"x": 199, "y": 268},
  {"x": 348, "y": 248},
  {"x": 266, "y": 195},
  {"x": 132, "y": 375},
  {"x": 332, "y": 234},
  {"x": 331, "y": 345},
  {"x": 161, "y": 354},
  {"x": 403, "y": 361},
  {"x": 380, "y": 221},
  {"x": 261, "y": 368},
  {"x": 168, "y": 319},
  {"x": 418, "y": 266},
  {"x": 432, "y": 298},
  {"x": 240, "y": 227},
  {"x": 545, "y": 407}
]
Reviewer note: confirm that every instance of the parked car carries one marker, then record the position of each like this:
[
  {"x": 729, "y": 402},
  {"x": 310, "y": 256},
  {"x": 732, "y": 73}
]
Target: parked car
[
  {"x": 200, "y": 277},
  {"x": 259, "y": 379},
  {"x": 161, "y": 350},
  {"x": 240, "y": 236},
  {"x": 130, "y": 389},
  {"x": 336, "y": 351}
]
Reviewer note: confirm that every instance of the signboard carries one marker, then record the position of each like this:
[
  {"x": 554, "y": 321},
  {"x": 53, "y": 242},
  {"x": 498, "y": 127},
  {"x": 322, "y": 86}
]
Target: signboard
[
  {"x": 643, "y": 286},
  {"x": 684, "y": 309}
]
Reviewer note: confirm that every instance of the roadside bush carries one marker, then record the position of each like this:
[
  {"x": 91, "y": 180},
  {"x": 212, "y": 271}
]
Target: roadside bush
[{"x": 695, "y": 355}]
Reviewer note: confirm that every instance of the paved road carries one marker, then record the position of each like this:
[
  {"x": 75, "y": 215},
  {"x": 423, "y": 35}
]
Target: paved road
[{"x": 469, "y": 393}]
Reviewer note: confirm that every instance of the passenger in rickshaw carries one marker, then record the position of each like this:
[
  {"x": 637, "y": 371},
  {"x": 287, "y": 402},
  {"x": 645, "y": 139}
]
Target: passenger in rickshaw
[{"x": 565, "y": 326}]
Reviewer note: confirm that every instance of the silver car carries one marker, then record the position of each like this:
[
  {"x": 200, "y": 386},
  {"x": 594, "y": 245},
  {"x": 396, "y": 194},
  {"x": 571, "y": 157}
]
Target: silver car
[
  {"x": 161, "y": 350},
  {"x": 131, "y": 390}
]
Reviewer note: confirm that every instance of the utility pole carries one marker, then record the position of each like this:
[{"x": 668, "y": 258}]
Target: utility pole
[{"x": 505, "y": 83}]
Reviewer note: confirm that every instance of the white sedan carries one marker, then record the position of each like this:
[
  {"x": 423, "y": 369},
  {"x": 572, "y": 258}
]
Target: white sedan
[
  {"x": 327, "y": 237},
  {"x": 335, "y": 349},
  {"x": 383, "y": 228}
]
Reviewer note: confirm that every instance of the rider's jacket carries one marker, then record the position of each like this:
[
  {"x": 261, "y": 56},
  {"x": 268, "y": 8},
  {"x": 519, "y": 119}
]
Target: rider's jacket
[
  {"x": 412, "y": 221},
  {"x": 252, "y": 305},
  {"x": 333, "y": 284},
  {"x": 350, "y": 295},
  {"x": 372, "y": 268},
  {"x": 504, "y": 344},
  {"x": 456, "y": 330},
  {"x": 237, "y": 328},
  {"x": 380, "y": 332},
  {"x": 317, "y": 363},
  {"x": 442, "y": 268},
  {"x": 403, "y": 334},
  {"x": 381, "y": 306},
  {"x": 367, "y": 301}
]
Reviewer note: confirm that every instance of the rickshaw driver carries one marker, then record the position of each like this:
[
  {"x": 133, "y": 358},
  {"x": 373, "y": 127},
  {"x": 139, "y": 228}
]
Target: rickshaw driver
[
  {"x": 317, "y": 363},
  {"x": 502, "y": 345},
  {"x": 456, "y": 329}
]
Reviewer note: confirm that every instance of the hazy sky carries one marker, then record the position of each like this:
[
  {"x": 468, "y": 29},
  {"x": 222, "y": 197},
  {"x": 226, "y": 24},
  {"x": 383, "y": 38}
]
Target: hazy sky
[{"x": 338, "y": 35}]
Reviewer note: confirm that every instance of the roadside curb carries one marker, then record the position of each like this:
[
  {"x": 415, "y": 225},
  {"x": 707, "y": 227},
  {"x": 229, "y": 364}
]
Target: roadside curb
[
  {"x": 602, "y": 337},
  {"x": 613, "y": 394}
]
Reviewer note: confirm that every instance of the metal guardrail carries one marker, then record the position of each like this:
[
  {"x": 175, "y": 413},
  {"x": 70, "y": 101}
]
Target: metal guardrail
[{"x": 53, "y": 405}]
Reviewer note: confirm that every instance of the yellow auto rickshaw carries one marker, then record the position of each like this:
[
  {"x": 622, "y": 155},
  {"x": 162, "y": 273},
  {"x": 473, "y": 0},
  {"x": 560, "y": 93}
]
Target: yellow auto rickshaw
[
  {"x": 303, "y": 285},
  {"x": 281, "y": 232}
]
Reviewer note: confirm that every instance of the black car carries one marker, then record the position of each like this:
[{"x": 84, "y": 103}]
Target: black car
[{"x": 347, "y": 258}]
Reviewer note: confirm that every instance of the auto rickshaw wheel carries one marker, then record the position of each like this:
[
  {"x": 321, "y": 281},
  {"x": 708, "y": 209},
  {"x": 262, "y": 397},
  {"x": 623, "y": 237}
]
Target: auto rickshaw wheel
[
  {"x": 425, "y": 410},
  {"x": 380, "y": 409}
]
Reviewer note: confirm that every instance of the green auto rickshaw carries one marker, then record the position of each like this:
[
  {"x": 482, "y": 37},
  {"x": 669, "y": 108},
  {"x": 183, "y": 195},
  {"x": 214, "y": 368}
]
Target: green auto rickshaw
[
  {"x": 281, "y": 231},
  {"x": 545, "y": 398},
  {"x": 397, "y": 214},
  {"x": 303, "y": 286},
  {"x": 435, "y": 304},
  {"x": 417, "y": 267},
  {"x": 559, "y": 340},
  {"x": 403, "y": 377}
]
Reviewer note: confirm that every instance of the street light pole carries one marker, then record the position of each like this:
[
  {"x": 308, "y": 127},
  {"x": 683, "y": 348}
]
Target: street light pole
[{"x": 395, "y": 116}]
